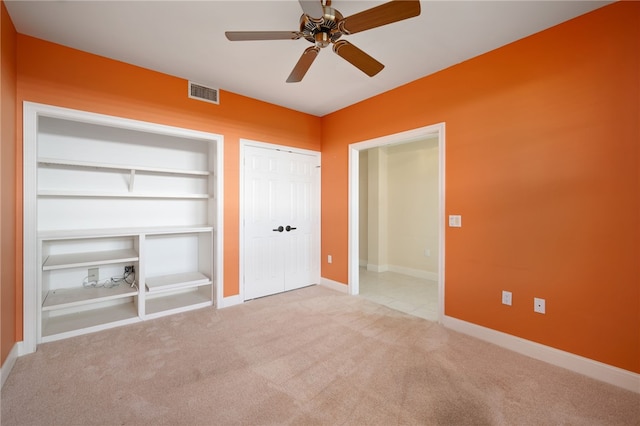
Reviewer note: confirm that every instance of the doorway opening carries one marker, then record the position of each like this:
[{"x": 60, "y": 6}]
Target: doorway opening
[{"x": 410, "y": 253}]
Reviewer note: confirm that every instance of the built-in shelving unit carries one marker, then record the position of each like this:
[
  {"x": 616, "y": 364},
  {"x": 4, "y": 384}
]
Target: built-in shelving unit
[{"x": 113, "y": 194}]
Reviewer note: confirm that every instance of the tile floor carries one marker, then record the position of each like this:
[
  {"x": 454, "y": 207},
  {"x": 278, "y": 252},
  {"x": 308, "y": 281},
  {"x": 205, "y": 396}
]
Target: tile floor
[{"x": 415, "y": 296}]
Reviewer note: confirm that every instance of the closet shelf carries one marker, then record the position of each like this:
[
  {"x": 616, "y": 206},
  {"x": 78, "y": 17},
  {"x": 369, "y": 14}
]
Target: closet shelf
[
  {"x": 176, "y": 281},
  {"x": 70, "y": 297},
  {"x": 76, "y": 260},
  {"x": 96, "y": 165}
]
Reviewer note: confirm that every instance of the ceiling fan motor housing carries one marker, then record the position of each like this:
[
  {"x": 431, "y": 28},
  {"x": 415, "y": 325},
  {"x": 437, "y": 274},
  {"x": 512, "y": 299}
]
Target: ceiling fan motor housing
[{"x": 322, "y": 31}]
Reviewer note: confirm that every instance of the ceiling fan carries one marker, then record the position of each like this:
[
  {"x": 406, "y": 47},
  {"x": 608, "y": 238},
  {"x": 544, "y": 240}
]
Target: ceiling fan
[{"x": 322, "y": 25}]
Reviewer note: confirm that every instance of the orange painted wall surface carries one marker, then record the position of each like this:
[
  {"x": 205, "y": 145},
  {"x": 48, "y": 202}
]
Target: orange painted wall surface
[
  {"x": 542, "y": 162},
  {"x": 56, "y": 75},
  {"x": 7, "y": 185}
]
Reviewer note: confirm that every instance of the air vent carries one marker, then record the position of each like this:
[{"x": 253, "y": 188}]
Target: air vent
[{"x": 203, "y": 93}]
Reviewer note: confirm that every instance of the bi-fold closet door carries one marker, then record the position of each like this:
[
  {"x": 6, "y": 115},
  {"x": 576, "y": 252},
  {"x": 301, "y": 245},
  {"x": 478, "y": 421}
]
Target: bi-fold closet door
[{"x": 281, "y": 219}]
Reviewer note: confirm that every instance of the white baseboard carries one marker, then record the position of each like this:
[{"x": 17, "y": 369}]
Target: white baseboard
[
  {"x": 417, "y": 273},
  {"x": 334, "y": 285},
  {"x": 588, "y": 367},
  {"x": 230, "y": 301},
  {"x": 9, "y": 362},
  {"x": 377, "y": 268}
]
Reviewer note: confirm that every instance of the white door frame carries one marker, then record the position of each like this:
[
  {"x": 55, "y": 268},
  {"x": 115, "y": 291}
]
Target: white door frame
[
  {"x": 248, "y": 142},
  {"x": 435, "y": 130}
]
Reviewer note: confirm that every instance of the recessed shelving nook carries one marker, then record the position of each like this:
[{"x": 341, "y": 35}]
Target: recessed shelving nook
[{"x": 121, "y": 221}]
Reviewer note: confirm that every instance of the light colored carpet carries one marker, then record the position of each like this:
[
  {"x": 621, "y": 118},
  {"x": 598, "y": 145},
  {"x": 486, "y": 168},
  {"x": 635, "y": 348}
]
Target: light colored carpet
[{"x": 308, "y": 357}]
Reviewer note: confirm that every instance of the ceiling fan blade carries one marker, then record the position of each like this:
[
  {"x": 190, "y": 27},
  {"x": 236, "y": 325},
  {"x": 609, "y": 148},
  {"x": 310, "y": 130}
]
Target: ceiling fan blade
[
  {"x": 387, "y": 13},
  {"x": 262, "y": 35},
  {"x": 312, "y": 8},
  {"x": 305, "y": 61},
  {"x": 357, "y": 58}
]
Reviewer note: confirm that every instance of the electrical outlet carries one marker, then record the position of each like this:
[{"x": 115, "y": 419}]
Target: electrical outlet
[
  {"x": 455, "y": 221},
  {"x": 129, "y": 269},
  {"x": 427, "y": 253},
  {"x": 506, "y": 297},
  {"x": 329, "y": 259},
  {"x": 538, "y": 305},
  {"x": 93, "y": 275}
]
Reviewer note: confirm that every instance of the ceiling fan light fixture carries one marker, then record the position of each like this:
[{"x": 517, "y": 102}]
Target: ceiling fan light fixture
[{"x": 322, "y": 39}]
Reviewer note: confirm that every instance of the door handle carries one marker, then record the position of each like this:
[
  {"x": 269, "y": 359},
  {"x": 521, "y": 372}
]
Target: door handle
[
  {"x": 290, "y": 228},
  {"x": 279, "y": 229}
]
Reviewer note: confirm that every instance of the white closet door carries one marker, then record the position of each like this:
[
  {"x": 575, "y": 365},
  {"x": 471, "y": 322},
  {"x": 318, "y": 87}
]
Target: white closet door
[
  {"x": 303, "y": 210},
  {"x": 281, "y": 211}
]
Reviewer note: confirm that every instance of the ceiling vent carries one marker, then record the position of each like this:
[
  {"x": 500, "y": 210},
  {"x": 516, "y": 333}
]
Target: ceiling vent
[{"x": 204, "y": 93}]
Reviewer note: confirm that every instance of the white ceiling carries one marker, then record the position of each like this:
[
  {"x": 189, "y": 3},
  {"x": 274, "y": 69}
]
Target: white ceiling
[{"x": 186, "y": 39}]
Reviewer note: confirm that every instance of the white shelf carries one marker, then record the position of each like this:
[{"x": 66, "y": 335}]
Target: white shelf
[
  {"x": 70, "y": 297},
  {"x": 96, "y": 165},
  {"x": 179, "y": 302},
  {"x": 175, "y": 281},
  {"x": 79, "y": 322},
  {"x": 69, "y": 234},
  {"x": 56, "y": 193},
  {"x": 76, "y": 260}
]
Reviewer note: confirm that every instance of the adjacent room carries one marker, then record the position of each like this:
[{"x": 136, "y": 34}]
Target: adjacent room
[{"x": 320, "y": 212}]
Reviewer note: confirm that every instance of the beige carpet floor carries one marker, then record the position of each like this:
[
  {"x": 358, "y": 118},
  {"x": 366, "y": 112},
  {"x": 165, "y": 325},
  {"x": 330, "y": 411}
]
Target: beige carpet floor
[{"x": 308, "y": 357}]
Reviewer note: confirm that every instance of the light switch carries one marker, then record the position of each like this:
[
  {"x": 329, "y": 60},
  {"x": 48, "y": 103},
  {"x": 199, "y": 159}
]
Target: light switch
[{"x": 455, "y": 221}]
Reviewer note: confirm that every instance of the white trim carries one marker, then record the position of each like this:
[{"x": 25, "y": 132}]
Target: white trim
[
  {"x": 354, "y": 166},
  {"x": 578, "y": 364},
  {"x": 334, "y": 285},
  {"x": 6, "y": 368},
  {"x": 268, "y": 145},
  {"x": 31, "y": 112},
  {"x": 353, "y": 247},
  {"x": 30, "y": 245},
  {"x": 243, "y": 144},
  {"x": 231, "y": 301},
  {"x": 218, "y": 231}
]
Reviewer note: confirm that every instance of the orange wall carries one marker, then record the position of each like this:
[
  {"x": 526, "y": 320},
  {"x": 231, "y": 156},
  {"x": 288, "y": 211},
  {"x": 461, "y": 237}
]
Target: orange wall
[
  {"x": 542, "y": 162},
  {"x": 57, "y": 75},
  {"x": 8, "y": 189}
]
